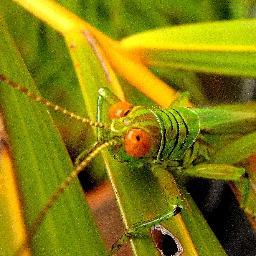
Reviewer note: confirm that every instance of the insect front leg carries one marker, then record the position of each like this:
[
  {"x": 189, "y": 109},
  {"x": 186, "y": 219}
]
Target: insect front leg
[
  {"x": 85, "y": 153},
  {"x": 141, "y": 230},
  {"x": 105, "y": 98}
]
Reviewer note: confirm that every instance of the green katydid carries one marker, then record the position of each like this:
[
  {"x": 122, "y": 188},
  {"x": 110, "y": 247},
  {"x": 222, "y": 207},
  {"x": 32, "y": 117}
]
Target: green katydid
[{"x": 179, "y": 138}]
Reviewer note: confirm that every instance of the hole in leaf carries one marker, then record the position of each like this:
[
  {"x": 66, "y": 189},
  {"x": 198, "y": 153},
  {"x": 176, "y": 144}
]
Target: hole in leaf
[{"x": 166, "y": 242}]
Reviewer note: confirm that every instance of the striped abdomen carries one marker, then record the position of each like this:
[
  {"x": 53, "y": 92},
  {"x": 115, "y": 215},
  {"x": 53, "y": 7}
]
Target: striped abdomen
[{"x": 179, "y": 128}]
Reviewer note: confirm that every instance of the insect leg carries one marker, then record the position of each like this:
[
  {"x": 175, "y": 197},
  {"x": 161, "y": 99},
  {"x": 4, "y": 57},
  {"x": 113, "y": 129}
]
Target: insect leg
[
  {"x": 86, "y": 152},
  {"x": 140, "y": 230},
  {"x": 215, "y": 171},
  {"x": 235, "y": 152},
  {"x": 105, "y": 98}
]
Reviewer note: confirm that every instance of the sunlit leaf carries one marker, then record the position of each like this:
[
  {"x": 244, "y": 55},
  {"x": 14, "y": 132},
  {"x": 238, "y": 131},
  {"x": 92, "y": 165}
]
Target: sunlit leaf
[{"x": 226, "y": 47}]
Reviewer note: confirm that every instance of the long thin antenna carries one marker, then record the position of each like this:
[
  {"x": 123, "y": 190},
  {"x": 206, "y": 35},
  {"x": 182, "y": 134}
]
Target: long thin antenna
[
  {"x": 50, "y": 104},
  {"x": 56, "y": 195}
]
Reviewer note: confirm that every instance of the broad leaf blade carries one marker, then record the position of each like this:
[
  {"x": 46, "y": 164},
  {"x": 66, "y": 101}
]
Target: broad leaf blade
[{"x": 220, "y": 47}]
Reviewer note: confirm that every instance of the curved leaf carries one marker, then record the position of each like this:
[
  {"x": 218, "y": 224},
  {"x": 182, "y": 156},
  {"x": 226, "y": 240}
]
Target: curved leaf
[{"x": 226, "y": 47}]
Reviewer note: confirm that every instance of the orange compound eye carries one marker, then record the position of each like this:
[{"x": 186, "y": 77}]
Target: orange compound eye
[
  {"x": 120, "y": 109},
  {"x": 137, "y": 143}
]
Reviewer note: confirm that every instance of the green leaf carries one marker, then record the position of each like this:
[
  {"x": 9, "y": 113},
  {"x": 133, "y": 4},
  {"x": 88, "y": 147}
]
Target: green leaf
[
  {"x": 41, "y": 163},
  {"x": 220, "y": 47}
]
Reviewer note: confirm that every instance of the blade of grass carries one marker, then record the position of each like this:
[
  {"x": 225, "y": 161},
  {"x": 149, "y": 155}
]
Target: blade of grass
[
  {"x": 135, "y": 207},
  {"x": 41, "y": 164}
]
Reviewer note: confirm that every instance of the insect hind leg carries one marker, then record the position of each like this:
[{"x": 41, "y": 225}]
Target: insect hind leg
[
  {"x": 105, "y": 98},
  {"x": 140, "y": 230}
]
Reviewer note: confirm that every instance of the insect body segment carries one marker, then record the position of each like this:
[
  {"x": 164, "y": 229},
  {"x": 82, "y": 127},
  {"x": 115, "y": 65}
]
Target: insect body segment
[{"x": 179, "y": 130}]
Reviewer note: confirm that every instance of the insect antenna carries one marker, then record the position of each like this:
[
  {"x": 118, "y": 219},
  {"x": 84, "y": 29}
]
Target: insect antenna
[
  {"x": 50, "y": 104},
  {"x": 60, "y": 190}
]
